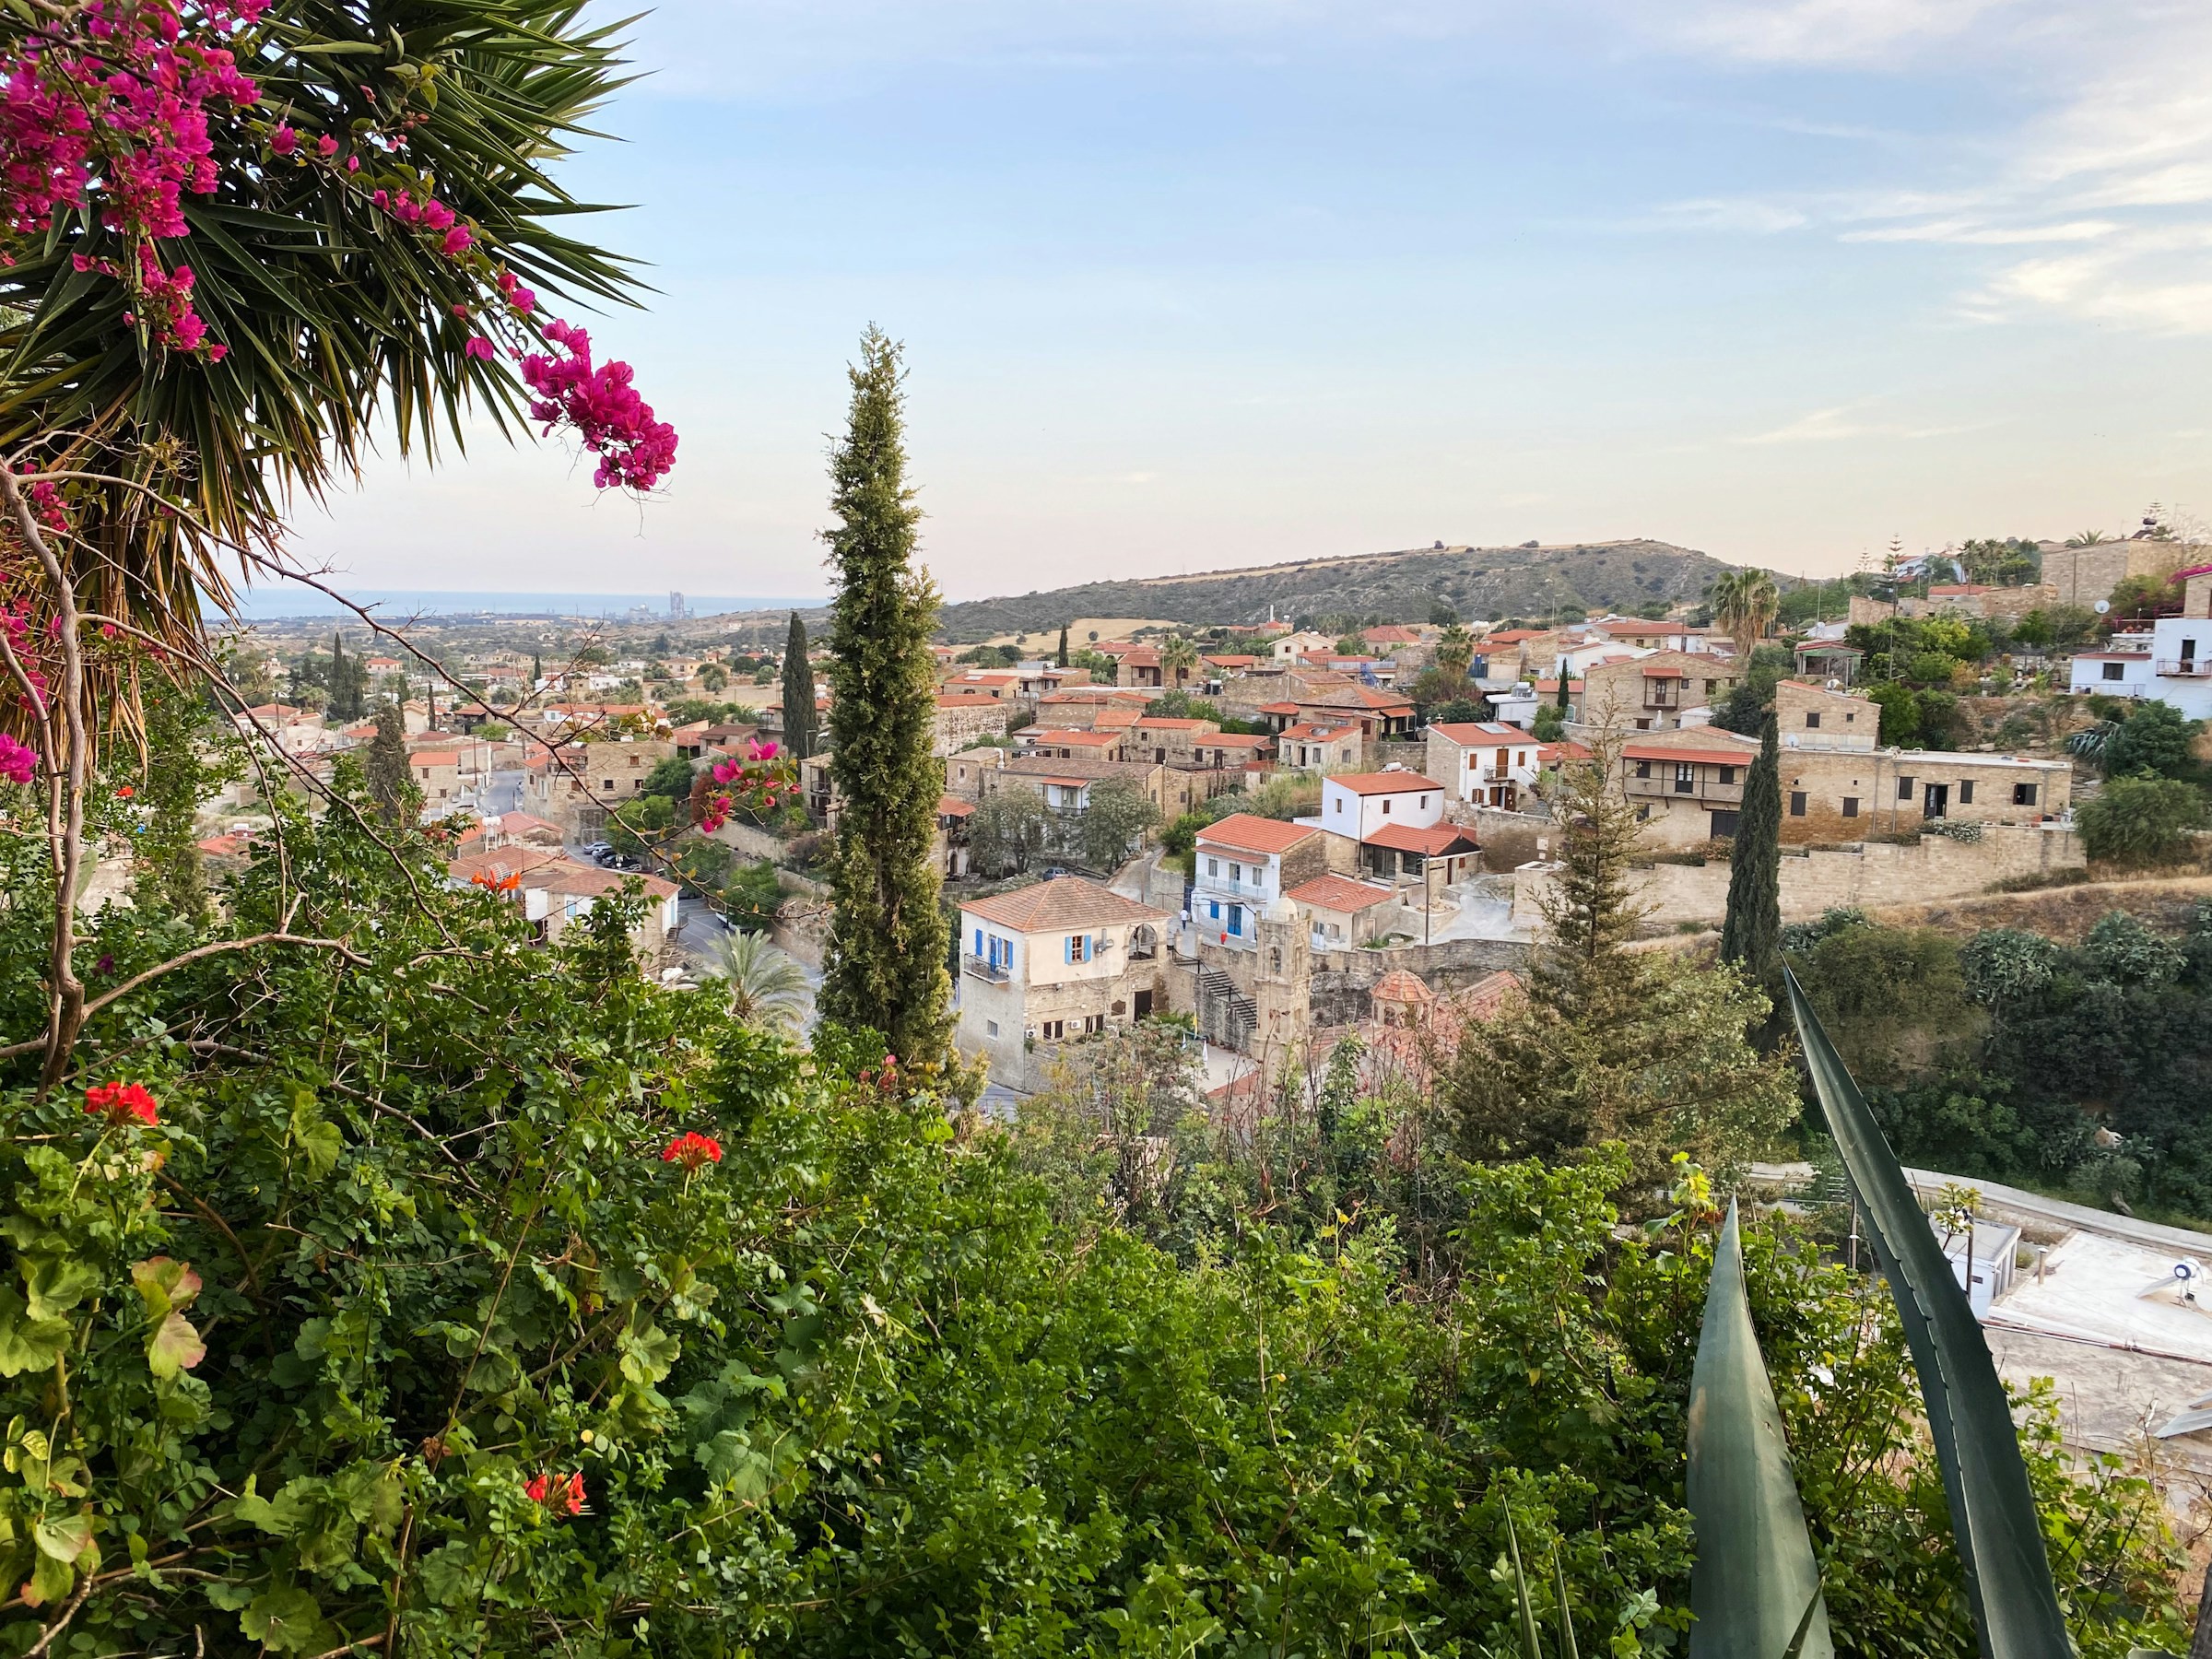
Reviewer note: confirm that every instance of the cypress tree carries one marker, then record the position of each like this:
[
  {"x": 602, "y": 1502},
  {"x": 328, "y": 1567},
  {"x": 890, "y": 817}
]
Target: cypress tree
[
  {"x": 1566, "y": 669},
  {"x": 337, "y": 677},
  {"x": 798, "y": 692},
  {"x": 391, "y": 783},
  {"x": 1063, "y": 644},
  {"x": 885, "y": 967},
  {"x": 1751, "y": 933}
]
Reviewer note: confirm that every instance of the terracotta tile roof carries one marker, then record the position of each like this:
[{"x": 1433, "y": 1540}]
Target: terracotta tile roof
[
  {"x": 435, "y": 757},
  {"x": 501, "y": 862},
  {"x": 1436, "y": 840},
  {"x": 953, "y": 807},
  {"x": 1248, "y": 833},
  {"x": 1074, "y": 738},
  {"x": 1695, "y": 757},
  {"x": 565, "y": 877},
  {"x": 1169, "y": 723},
  {"x": 1338, "y": 893},
  {"x": 1566, "y": 748},
  {"x": 1514, "y": 636},
  {"x": 1485, "y": 996},
  {"x": 1060, "y": 905},
  {"x": 1320, "y": 734},
  {"x": 1357, "y": 697},
  {"x": 1384, "y": 783},
  {"x": 1400, "y": 986},
  {"x": 1479, "y": 733},
  {"x": 1389, "y": 634},
  {"x": 1662, "y": 671},
  {"x": 1281, "y": 708}
]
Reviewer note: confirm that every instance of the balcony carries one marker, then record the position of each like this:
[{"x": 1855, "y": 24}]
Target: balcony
[
  {"x": 1657, "y": 696},
  {"x": 1221, "y": 886},
  {"x": 979, "y": 968},
  {"x": 1702, "y": 789},
  {"x": 2187, "y": 667}
]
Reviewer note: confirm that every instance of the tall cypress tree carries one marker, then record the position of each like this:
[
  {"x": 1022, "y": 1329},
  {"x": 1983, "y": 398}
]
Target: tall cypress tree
[
  {"x": 885, "y": 966},
  {"x": 798, "y": 692},
  {"x": 391, "y": 782},
  {"x": 1751, "y": 933},
  {"x": 338, "y": 684},
  {"x": 1063, "y": 644}
]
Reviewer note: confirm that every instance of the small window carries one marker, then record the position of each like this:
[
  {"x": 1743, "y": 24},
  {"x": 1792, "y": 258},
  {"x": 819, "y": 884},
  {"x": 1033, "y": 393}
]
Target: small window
[
  {"x": 1904, "y": 789},
  {"x": 2023, "y": 794},
  {"x": 1966, "y": 792},
  {"x": 1643, "y": 769},
  {"x": 1213, "y": 867},
  {"x": 1812, "y": 721},
  {"x": 607, "y": 786},
  {"x": 1727, "y": 774},
  {"x": 1093, "y": 1024},
  {"x": 1851, "y": 805},
  {"x": 1387, "y": 806},
  {"x": 1850, "y": 717},
  {"x": 991, "y": 1028},
  {"x": 1686, "y": 777},
  {"x": 1054, "y": 1030},
  {"x": 2115, "y": 671},
  {"x": 1797, "y": 803},
  {"x": 1339, "y": 803}
]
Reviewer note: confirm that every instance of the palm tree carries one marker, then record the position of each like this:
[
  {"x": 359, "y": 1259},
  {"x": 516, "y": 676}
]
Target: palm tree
[
  {"x": 1454, "y": 651},
  {"x": 768, "y": 987},
  {"x": 2086, "y": 539},
  {"x": 1744, "y": 603},
  {"x": 1179, "y": 657},
  {"x": 340, "y": 326}
]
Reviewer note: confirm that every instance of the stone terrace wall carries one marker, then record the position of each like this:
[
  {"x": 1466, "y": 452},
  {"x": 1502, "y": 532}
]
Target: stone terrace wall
[
  {"x": 1342, "y": 979},
  {"x": 1869, "y": 874}
]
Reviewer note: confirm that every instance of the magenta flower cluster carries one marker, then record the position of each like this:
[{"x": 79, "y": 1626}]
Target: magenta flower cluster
[
  {"x": 17, "y": 763},
  {"x": 613, "y": 421},
  {"x": 116, "y": 102}
]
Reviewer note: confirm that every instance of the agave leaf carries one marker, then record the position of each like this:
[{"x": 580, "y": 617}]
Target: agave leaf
[
  {"x": 1558, "y": 1591},
  {"x": 1529, "y": 1644},
  {"x": 1994, "y": 1520},
  {"x": 1756, "y": 1587}
]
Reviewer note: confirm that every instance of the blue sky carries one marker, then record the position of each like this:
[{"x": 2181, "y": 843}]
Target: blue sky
[{"x": 1191, "y": 282}]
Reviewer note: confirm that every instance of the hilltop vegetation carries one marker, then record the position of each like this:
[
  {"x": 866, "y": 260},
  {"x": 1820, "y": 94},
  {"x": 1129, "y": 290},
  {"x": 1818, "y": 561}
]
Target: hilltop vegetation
[{"x": 1475, "y": 581}]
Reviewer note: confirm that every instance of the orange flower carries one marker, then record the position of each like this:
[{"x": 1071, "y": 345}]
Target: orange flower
[
  {"x": 692, "y": 1150},
  {"x": 559, "y": 1497},
  {"x": 119, "y": 1101}
]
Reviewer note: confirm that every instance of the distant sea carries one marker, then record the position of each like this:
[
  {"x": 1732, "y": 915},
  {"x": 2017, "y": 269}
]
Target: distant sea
[{"x": 282, "y": 601}]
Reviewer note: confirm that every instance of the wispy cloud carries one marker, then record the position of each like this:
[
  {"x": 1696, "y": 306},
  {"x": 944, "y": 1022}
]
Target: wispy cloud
[
  {"x": 1845, "y": 423},
  {"x": 1827, "y": 32}
]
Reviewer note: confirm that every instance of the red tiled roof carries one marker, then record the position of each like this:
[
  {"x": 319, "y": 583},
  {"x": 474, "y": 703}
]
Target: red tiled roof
[
  {"x": 1320, "y": 734},
  {"x": 435, "y": 757},
  {"x": 1479, "y": 733},
  {"x": 1398, "y": 985},
  {"x": 1514, "y": 636},
  {"x": 1281, "y": 708},
  {"x": 1435, "y": 840},
  {"x": 1248, "y": 833},
  {"x": 1168, "y": 723},
  {"x": 953, "y": 807},
  {"x": 1063, "y": 904},
  {"x": 1389, "y": 634},
  {"x": 1661, "y": 671},
  {"x": 1384, "y": 783},
  {"x": 1654, "y": 751},
  {"x": 1360, "y": 697},
  {"x": 1076, "y": 738},
  {"x": 1338, "y": 893}
]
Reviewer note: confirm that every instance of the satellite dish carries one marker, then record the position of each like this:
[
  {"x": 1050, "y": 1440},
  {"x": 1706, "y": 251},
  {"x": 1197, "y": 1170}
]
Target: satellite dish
[{"x": 2101, "y": 607}]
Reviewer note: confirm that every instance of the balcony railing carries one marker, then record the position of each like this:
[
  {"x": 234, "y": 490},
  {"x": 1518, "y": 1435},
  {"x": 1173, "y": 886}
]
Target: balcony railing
[
  {"x": 1221, "y": 886},
  {"x": 1699, "y": 789},
  {"x": 2191, "y": 667},
  {"x": 984, "y": 970}
]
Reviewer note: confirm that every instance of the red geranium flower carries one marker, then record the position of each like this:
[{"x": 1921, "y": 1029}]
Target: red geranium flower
[
  {"x": 559, "y": 1497},
  {"x": 119, "y": 1101},
  {"x": 691, "y": 1150}
]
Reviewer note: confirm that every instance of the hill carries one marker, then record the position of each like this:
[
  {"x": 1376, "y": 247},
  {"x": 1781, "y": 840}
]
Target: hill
[{"x": 1399, "y": 587}]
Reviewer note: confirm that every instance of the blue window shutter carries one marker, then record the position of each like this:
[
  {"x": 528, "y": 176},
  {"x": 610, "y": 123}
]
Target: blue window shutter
[{"x": 979, "y": 941}]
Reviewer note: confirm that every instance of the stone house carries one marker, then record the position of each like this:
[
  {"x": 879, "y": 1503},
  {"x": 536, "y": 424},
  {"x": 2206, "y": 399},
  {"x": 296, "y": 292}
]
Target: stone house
[
  {"x": 1051, "y": 963},
  {"x": 962, "y": 716},
  {"x": 437, "y": 773},
  {"x": 1341, "y": 912},
  {"x": 1485, "y": 762},
  {"x": 554, "y": 892},
  {"x": 1243, "y": 863},
  {"x": 573, "y": 785},
  {"x": 1320, "y": 746},
  {"x": 1653, "y": 692},
  {"x": 1067, "y": 784},
  {"x": 1810, "y": 716},
  {"x": 966, "y": 769},
  {"x": 1068, "y": 745}
]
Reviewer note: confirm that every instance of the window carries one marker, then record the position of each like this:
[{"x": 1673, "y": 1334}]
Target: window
[
  {"x": 607, "y": 786},
  {"x": 1850, "y": 717},
  {"x": 1236, "y": 872},
  {"x": 1812, "y": 721},
  {"x": 2115, "y": 671},
  {"x": 1643, "y": 769},
  {"x": 1338, "y": 803},
  {"x": 1686, "y": 777},
  {"x": 1727, "y": 774},
  {"x": 1093, "y": 1024},
  {"x": 1904, "y": 789},
  {"x": 1966, "y": 792},
  {"x": 1077, "y": 948},
  {"x": 1520, "y": 757},
  {"x": 1054, "y": 1030},
  {"x": 979, "y": 941},
  {"x": 1851, "y": 805},
  {"x": 991, "y": 1028},
  {"x": 1385, "y": 806},
  {"x": 2023, "y": 794},
  {"x": 1797, "y": 803},
  {"x": 1213, "y": 867}
]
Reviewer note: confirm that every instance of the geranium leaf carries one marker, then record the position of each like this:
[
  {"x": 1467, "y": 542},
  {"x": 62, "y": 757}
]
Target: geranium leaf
[{"x": 174, "y": 1346}]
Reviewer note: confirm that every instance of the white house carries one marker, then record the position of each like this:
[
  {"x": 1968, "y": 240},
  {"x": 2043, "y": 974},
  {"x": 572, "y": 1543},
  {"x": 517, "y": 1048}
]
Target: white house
[
  {"x": 1051, "y": 963},
  {"x": 2122, "y": 669},
  {"x": 2173, "y": 664},
  {"x": 1485, "y": 761},
  {"x": 1360, "y": 804},
  {"x": 1242, "y": 864},
  {"x": 1291, "y": 647}
]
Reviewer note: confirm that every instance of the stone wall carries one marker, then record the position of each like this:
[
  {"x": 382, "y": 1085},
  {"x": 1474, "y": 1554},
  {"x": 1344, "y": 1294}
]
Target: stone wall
[
  {"x": 749, "y": 841},
  {"x": 2083, "y": 575},
  {"x": 1343, "y": 979},
  {"x": 1867, "y": 874},
  {"x": 1412, "y": 756},
  {"x": 1509, "y": 840}
]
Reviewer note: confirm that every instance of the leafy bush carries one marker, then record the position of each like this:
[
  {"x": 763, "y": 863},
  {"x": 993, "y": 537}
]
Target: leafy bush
[
  {"x": 2155, "y": 738},
  {"x": 2004, "y": 964},
  {"x": 753, "y": 897},
  {"x": 2140, "y": 821}
]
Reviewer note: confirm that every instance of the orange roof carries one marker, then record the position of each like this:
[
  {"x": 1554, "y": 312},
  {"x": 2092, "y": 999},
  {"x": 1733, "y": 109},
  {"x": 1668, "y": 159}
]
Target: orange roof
[
  {"x": 1398, "y": 985},
  {"x": 1435, "y": 840},
  {"x": 563, "y": 876},
  {"x": 1565, "y": 746},
  {"x": 1656, "y": 751},
  {"x": 1663, "y": 672},
  {"x": 1317, "y": 733},
  {"x": 1063, "y": 903},
  {"x": 1363, "y": 697},
  {"x": 1282, "y": 708},
  {"x": 1248, "y": 833},
  {"x": 953, "y": 807},
  {"x": 1338, "y": 893},
  {"x": 435, "y": 757},
  {"x": 1251, "y": 740},
  {"x": 1389, "y": 634},
  {"x": 1514, "y": 636},
  {"x": 1075, "y": 738},
  {"x": 1478, "y": 733},
  {"x": 1232, "y": 659},
  {"x": 1384, "y": 783},
  {"x": 1168, "y": 722}
]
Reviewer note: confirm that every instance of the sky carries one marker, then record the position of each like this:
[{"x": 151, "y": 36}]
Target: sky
[{"x": 1186, "y": 283}]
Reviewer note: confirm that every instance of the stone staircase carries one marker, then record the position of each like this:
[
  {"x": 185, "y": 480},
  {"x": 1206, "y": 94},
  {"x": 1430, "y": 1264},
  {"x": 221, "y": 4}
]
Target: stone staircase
[{"x": 1224, "y": 1014}]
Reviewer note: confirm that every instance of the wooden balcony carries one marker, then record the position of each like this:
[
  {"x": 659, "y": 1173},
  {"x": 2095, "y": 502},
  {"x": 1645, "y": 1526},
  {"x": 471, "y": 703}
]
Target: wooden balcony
[{"x": 1705, "y": 788}]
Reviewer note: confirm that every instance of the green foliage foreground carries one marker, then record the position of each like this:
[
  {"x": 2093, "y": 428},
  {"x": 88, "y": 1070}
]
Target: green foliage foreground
[{"x": 866, "y": 1385}]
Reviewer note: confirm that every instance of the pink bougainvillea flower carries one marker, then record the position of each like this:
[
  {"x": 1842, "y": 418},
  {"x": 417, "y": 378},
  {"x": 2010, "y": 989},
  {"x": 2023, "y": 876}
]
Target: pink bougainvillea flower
[
  {"x": 119, "y": 1101},
  {"x": 326, "y": 145},
  {"x": 284, "y": 140},
  {"x": 692, "y": 1150},
  {"x": 19, "y": 763},
  {"x": 479, "y": 348},
  {"x": 457, "y": 240}
]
